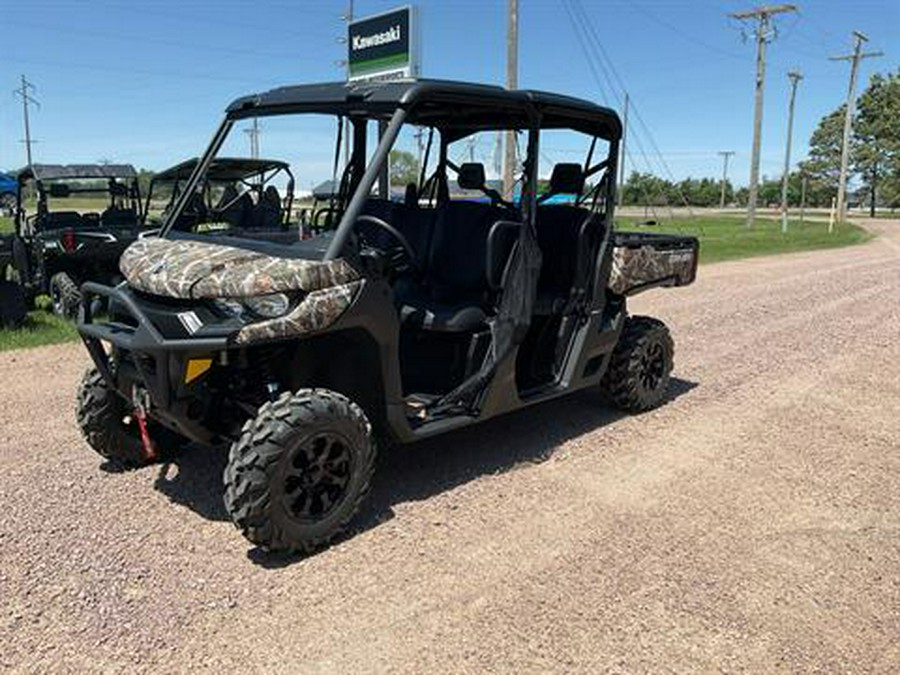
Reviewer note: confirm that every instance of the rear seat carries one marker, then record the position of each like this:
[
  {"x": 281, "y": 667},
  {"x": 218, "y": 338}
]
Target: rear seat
[{"x": 567, "y": 239}]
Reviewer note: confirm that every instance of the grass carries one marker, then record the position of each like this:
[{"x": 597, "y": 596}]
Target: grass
[
  {"x": 6, "y": 225},
  {"x": 41, "y": 328},
  {"x": 727, "y": 238}
]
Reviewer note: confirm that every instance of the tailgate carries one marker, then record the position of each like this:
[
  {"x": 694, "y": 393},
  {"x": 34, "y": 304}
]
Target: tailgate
[{"x": 644, "y": 260}]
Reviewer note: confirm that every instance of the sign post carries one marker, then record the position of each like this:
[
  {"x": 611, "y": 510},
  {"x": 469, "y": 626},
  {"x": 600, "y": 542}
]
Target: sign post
[{"x": 384, "y": 46}]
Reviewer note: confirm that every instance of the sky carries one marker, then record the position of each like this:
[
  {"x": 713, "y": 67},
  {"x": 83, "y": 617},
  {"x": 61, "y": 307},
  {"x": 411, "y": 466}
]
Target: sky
[{"x": 146, "y": 82}]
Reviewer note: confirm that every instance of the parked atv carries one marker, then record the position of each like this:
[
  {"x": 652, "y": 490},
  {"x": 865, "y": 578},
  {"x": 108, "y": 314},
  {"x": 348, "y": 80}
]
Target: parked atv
[
  {"x": 59, "y": 246},
  {"x": 410, "y": 318}
]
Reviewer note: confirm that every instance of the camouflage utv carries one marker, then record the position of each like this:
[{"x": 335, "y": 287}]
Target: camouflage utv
[{"x": 435, "y": 302}]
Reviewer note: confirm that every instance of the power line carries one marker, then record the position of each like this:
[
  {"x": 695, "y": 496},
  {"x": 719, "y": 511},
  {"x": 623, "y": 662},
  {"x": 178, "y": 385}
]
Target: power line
[
  {"x": 583, "y": 40},
  {"x": 675, "y": 29},
  {"x": 27, "y": 99},
  {"x": 765, "y": 32},
  {"x": 135, "y": 38},
  {"x": 602, "y": 56},
  {"x": 854, "y": 58}
]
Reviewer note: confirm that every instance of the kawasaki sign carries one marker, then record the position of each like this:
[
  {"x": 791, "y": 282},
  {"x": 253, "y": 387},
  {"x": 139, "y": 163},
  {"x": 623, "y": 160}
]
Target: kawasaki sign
[{"x": 384, "y": 46}]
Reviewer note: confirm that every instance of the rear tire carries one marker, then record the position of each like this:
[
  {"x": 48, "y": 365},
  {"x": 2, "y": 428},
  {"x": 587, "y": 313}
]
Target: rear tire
[
  {"x": 101, "y": 414},
  {"x": 13, "y": 307},
  {"x": 299, "y": 471},
  {"x": 65, "y": 295},
  {"x": 640, "y": 367}
]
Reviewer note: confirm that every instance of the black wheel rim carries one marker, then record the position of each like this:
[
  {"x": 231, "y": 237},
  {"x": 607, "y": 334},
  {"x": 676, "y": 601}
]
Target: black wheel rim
[
  {"x": 653, "y": 367},
  {"x": 317, "y": 477}
]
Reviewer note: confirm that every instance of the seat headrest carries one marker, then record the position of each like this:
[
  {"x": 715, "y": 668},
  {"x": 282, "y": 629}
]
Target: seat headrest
[
  {"x": 471, "y": 176},
  {"x": 567, "y": 179}
]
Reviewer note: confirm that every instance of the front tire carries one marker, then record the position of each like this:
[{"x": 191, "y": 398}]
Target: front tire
[
  {"x": 640, "y": 367},
  {"x": 101, "y": 415},
  {"x": 65, "y": 295},
  {"x": 299, "y": 471}
]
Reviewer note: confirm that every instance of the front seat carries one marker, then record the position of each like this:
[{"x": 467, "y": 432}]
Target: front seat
[{"x": 455, "y": 295}]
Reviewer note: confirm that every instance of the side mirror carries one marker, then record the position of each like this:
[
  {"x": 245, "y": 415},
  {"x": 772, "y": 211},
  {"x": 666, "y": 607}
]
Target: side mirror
[{"x": 501, "y": 239}]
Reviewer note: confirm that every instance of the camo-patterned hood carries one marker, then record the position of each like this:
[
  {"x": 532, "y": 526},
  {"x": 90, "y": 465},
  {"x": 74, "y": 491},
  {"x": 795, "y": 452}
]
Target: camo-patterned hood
[{"x": 193, "y": 269}]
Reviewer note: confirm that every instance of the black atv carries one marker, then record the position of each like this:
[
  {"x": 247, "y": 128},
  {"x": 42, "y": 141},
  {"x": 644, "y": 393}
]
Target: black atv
[
  {"x": 59, "y": 246},
  {"x": 423, "y": 311}
]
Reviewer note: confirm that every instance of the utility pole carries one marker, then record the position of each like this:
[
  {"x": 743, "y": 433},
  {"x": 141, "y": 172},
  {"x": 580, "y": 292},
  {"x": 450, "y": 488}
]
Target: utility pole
[
  {"x": 725, "y": 155},
  {"x": 854, "y": 58},
  {"x": 348, "y": 129},
  {"x": 795, "y": 78},
  {"x": 512, "y": 82},
  {"x": 27, "y": 99},
  {"x": 253, "y": 133},
  {"x": 622, "y": 153},
  {"x": 764, "y": 33}
]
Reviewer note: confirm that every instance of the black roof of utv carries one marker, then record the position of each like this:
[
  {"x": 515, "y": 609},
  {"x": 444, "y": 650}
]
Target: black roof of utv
[
  {"x": 459, "y": 106},
  {"x": 224, "y": 169},
  {"x": 76, "y": 171}
]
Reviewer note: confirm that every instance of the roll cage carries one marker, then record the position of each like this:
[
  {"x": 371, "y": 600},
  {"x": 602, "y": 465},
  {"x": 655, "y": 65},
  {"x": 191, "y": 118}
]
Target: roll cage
[
  {"x": 248, "y": 175},
  {"x": 455, "y": 109},
  {"x": 118, "y": 181}
]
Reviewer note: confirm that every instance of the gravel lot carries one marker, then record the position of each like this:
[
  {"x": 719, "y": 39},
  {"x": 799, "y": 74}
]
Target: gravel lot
[{"x": 753, "y": 523}]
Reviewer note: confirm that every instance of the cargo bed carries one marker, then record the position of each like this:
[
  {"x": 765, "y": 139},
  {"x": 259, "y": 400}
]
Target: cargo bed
[{"x": 645, "y": 260}]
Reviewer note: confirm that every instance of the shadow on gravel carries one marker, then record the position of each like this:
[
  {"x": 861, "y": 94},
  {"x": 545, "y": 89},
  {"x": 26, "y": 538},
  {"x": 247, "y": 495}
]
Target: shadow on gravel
[
  {"x": 421, "y": 470},
  {"x": 194, "y": 479}
]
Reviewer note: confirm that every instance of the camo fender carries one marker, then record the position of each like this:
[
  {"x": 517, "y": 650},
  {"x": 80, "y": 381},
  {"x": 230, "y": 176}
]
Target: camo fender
[
  {"x": 194, "y": 269},
  {"x": 636, "y": 267},
  {"x": 316, "y": 312}
]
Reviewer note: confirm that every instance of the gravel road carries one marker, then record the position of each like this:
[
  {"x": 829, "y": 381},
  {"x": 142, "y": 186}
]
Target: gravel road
[{"x": 752, "y": 523}]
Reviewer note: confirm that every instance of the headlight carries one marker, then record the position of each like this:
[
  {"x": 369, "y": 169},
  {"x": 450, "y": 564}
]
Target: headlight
[
  {"x": 229, "y": 307},
  {"x": 268, "y": 306},
  {"x": 261, "y": 307}
]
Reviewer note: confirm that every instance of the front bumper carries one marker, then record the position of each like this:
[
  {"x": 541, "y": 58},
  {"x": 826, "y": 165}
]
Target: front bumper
[{"x": 155, "y": 363}]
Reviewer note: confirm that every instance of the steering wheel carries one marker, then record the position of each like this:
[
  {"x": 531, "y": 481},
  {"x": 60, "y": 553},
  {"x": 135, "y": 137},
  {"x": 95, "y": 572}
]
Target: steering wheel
[{"x": 399, "y": 256}]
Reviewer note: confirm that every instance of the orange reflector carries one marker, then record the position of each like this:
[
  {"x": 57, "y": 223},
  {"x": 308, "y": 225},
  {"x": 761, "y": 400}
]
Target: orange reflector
[{"x": 195, "y": 368}]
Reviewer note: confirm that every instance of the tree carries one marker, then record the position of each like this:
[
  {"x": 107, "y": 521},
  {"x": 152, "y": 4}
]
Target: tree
[
  {"x": 404, "y": 167},
  {"x": 876, "y": 136},
  {"x": 874, "y": 147},
  {"x": 823, "y": 167}
]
